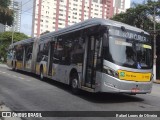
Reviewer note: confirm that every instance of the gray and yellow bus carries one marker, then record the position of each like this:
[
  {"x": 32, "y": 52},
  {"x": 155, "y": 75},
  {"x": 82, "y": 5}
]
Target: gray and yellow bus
[{"x": 95, "y": 55}]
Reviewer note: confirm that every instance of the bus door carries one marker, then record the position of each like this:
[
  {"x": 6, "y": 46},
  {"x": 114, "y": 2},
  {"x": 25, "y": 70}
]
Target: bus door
[
  {"x": 91, "y": 61},
  {"x": 50, "y": 60}
]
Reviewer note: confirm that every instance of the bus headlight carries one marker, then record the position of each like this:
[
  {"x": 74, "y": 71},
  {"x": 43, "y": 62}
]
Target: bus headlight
[{"x": 110, "y": 71}]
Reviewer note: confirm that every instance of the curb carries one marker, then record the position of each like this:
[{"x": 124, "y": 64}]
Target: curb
[
  {"x": 4, "y": 108},
  {"x": 157, "y": 81}
]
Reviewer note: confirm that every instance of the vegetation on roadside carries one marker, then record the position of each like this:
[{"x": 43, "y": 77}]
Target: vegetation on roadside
[
  {"x": 6, "y": 14},
  {"x": 6, "y": 40},
  {"x": 141, "y": 15}
]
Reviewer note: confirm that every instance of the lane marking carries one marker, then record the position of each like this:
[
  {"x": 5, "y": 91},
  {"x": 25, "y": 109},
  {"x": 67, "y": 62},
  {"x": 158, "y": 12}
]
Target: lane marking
[
  {"x": 10, "y": 75},
  {"x": 14, "y": 76},
  {"x": 21, "y": 78},
  {"x": 28, "y": 80}
]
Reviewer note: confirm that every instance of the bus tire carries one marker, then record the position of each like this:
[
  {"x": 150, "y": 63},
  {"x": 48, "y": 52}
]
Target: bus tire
[
  {"x": 41, "y": 73},
  {"x": 74, "y": 84}
]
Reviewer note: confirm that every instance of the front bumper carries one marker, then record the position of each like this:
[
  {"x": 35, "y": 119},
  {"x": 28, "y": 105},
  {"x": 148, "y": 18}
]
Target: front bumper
[{"x": 112, "y": 84}]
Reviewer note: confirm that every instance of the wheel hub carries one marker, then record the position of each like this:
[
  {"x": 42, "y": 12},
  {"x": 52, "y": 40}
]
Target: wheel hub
[{"x": 74, "y": 83}]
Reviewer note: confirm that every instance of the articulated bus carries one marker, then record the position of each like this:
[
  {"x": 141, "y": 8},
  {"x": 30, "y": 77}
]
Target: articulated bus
[{"x": 95, "y": 55}]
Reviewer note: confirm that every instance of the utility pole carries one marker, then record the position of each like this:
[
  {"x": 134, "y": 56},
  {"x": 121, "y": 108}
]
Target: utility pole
[
  {"x": 12, "y": 32},
  {"x": 154, "y": 40},
  {"x": 12, "y": 24}
]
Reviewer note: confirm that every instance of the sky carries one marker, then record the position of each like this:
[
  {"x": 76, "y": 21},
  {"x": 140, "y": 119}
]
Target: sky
[{"x": 26, "y": 17}]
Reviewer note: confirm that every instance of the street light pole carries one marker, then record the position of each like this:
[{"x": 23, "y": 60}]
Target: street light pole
[
  {"x": 12, "y": 33},
  {"x": 12, "y": 25},
  {"x": 154, "y": 40}
]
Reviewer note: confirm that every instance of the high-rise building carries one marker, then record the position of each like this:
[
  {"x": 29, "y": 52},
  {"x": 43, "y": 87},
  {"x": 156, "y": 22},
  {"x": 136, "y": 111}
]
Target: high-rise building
[
  {"x": 120, "y": 6},
  {"x": 51, "y": 15},
  {"x": 2, "y": 28},
  {"x": 16, "y": 7}
]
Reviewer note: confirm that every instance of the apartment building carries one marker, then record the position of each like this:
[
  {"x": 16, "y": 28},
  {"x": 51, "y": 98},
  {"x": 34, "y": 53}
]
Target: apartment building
[
  {"x": 16, "y": 7},
  {"x": 120, "y": 5},
  {"x": 51, "y": 15}
]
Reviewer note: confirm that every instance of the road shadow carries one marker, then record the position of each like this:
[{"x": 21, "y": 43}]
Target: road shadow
[
  {"x": 91, "y": 97},
  {"x": 110, "y": 97}
]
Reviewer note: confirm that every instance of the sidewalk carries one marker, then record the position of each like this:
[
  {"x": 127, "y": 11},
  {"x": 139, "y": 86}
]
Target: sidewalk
[{"x": 3, "y": 65}]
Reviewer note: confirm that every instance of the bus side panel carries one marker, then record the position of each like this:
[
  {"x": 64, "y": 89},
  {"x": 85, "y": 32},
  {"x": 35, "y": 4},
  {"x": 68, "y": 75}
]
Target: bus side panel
[
  {"x": 61, "y": 73},
  {"x": 37, "y": 68},
  {"x": 98, "y": 81}
]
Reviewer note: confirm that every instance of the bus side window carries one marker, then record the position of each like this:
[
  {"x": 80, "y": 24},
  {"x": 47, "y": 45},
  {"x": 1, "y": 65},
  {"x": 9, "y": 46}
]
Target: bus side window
[
  {"x": 62, "y": 52},
  {"x": 77, "y": 50},
  {"x": 58, "y": 52},
  {"x": 19, "y": 52},
  {"x": 40, "y": 52},
  {"x": 29, "y": 52},
  {"x": 45, "y": 51}
]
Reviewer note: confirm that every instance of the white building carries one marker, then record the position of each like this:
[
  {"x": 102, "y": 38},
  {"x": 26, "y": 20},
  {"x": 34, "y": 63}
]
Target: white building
[
  {"x": 121, "y": 5},
  {"x": 51, "y": 15}
]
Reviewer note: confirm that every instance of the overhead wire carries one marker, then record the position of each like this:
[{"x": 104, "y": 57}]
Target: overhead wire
[{"x": 26, "y": 2}]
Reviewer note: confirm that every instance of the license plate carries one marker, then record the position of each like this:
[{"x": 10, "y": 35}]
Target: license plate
[
  {"x": 135, "y": 90},
  {"x": 134, "y": 76}
]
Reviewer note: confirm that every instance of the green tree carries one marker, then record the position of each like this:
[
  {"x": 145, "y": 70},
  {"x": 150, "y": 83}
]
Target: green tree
[
  {"x": 141, "y": 15},
  {"x": 6, "y": 14},
  {"x": 6, "y": 39}
]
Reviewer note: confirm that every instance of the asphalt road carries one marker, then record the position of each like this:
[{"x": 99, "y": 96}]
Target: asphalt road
[{"x": 22, "y": 91}]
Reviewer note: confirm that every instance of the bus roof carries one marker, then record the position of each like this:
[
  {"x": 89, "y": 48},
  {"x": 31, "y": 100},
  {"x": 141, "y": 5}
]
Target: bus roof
[
  {"x": 82, "y": 25},
  {"x": 25, "y": 41},
  {"x": 89, "y": 23}
]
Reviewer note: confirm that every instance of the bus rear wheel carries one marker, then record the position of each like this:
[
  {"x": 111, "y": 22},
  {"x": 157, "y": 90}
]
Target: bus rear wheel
[{"x": 74, "y": 85}]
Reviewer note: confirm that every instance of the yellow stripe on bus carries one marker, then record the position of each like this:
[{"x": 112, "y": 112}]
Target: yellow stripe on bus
[
  {"x": 37, "y": 68},
  {"x": 134, "y": 76},
  {"x": 19, "y": 65}
]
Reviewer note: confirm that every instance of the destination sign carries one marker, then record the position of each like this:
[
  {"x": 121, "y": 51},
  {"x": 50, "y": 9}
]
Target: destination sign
[{"x": 128, "y": 34}]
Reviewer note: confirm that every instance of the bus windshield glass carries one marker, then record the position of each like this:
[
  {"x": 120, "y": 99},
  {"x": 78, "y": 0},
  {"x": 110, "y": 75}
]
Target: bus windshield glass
[{"x": 129, "y": 51}]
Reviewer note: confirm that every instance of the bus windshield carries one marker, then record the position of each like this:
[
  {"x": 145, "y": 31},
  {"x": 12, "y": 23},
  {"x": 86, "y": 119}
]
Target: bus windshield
[{"x": 128, "y": 52}]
